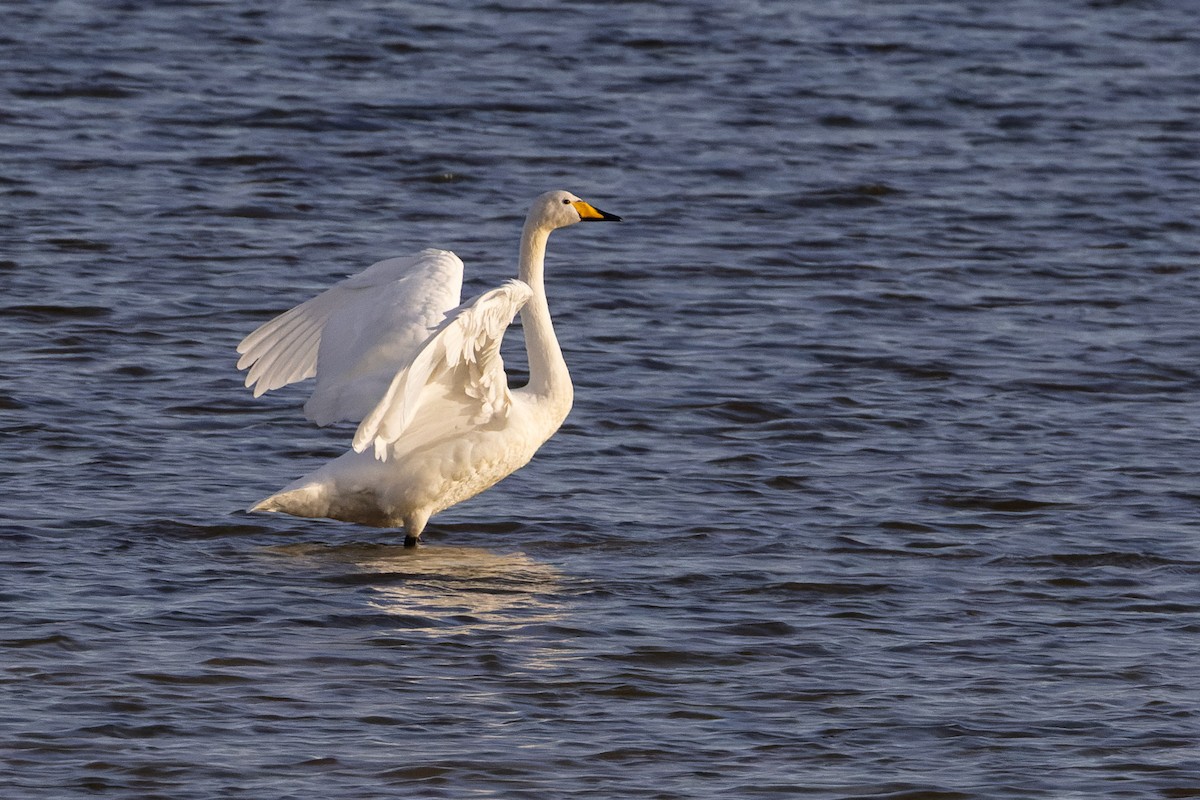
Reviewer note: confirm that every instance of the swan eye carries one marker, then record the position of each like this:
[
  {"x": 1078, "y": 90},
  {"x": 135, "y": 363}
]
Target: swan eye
[{"x": 566, "y": 202}]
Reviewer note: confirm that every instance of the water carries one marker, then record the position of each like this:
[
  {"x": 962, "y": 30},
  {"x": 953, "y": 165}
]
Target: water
[{"x": 881, "y": 476}]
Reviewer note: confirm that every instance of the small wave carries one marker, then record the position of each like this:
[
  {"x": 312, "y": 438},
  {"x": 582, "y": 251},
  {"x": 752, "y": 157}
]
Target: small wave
[{"x": 989, "y": 502}]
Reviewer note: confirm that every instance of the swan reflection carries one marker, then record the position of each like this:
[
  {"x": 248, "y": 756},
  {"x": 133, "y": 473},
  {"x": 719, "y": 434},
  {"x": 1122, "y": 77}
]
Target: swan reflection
[{"x": 445, "y": 589}]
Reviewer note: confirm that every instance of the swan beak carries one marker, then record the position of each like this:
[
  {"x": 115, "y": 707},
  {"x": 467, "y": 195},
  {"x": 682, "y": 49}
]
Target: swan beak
[{"x": 589, "y": 213}]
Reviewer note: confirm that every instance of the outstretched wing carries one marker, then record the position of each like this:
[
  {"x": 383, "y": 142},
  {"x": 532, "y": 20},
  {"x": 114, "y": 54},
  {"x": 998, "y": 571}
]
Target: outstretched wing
[
  {"x": 355, "y": 336},
  {"x": 459, "y": 362}
]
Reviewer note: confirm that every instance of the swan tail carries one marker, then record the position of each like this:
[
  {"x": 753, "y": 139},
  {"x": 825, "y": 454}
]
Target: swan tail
[
  {"x": 317, "y": 500},
  {"x": 305, "y": 501}
]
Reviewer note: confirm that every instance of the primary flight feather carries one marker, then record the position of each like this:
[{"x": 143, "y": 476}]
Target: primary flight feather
[{"x": 392, "y": 350}]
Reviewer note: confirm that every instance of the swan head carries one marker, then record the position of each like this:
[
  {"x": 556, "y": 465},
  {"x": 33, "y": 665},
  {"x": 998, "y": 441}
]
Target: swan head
[{"x": 559, "y": 209}]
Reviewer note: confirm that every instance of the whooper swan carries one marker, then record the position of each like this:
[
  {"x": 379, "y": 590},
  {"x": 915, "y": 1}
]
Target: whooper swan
[{"x": 392, "y": 349}]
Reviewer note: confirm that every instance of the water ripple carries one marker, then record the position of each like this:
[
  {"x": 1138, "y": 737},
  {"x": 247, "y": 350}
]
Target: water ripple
[{"x": 878, "y": 480}]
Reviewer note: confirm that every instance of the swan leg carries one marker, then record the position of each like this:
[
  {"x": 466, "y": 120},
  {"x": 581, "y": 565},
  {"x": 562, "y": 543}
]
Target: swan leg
[{"x": 413, "y": 525}]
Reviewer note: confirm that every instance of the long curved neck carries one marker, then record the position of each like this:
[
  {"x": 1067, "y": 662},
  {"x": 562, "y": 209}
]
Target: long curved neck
[{"x": 547, "y": 370}]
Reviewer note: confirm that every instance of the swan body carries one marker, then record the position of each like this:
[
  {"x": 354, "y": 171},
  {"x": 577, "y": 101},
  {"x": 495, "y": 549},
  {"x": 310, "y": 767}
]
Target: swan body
[{"x": 393, "y": 351}]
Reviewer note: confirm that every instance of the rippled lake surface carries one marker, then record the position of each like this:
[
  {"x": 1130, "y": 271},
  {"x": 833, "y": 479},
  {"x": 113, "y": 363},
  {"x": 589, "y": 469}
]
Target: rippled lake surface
[{"x": 881, "y": 478}]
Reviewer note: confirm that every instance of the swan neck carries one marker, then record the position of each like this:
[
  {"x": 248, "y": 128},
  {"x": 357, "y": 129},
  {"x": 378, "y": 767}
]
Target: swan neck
[
  {"x": 547, "y": 370},
  {"x": 533, "y": 256}
]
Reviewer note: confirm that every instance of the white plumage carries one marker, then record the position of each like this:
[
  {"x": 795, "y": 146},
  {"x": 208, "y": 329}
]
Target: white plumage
[{"x": 424, "y": 379}]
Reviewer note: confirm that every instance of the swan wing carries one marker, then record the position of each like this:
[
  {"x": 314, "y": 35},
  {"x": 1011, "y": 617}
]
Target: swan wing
[
  {"x": 354, "y": 336},
  {"x": 460, "y": 360}
]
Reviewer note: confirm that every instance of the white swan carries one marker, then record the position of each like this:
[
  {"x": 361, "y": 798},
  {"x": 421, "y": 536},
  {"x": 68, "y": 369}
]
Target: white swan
[{"x": 434, "y": 407}]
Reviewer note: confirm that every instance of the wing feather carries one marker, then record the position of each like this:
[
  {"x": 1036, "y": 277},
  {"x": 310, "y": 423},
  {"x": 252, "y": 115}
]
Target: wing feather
[
  {"x": 464, "y": 351},
  {"x": 294, "y": 359},
  {"x": 355, "y": 335},
  {"x": 292, "y": 333}
]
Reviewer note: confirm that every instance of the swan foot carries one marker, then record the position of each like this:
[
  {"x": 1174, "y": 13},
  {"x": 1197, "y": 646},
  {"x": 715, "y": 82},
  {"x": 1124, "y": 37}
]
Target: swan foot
[{"x": 410, "y": 541}]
